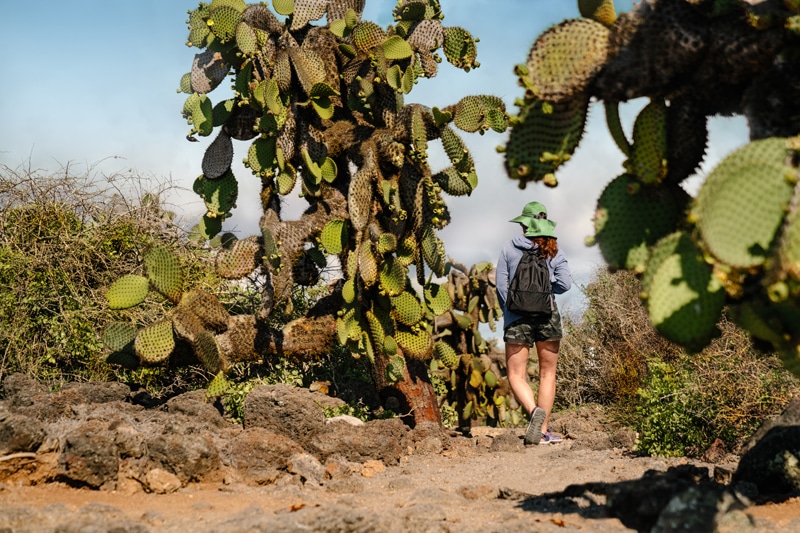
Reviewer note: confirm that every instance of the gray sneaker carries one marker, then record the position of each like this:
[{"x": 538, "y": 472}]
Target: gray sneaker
[{"x": 534, "y": 432}]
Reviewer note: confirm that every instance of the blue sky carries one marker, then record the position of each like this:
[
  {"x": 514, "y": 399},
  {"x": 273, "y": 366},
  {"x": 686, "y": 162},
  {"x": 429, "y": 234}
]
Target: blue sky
[{"x": 91, "y": 84}]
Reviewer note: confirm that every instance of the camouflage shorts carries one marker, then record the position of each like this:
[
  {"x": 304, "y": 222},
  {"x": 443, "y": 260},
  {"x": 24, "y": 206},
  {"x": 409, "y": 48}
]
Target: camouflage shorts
[{"x": 528, "y": 332}]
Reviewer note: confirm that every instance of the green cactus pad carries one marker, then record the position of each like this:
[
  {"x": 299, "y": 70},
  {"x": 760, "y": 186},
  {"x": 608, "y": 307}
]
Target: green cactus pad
[
  {"x": 262, "y": 157},
  {"x": 407, "y": 250},
  {"x": 164, "y": 271},
  {"x": 649, "y": 150},
  {"x": 406, "y": 309},
  {"x": 686, "y": 300},
  {"x": 128, "y": 291},
  {"x": 459, "y": 48},
  {"x": 220, "y": 195},
  {"x": 392, "y": 276},
  {"x": 367, "y": 264},
  {"x": 446, "y": 354},
  {"x": 743, "y": 202},
  {"x": 238, "y": 261},
  {"x": 600, "y": 10},
  {"x": 334, "y": 236},
  {"x": 198, "y": 28},
  {"x": 387, "y": 242},
  {"x": 415, "y": 345},
  {"x": 186, "y": 83},
  {"x": 395, "y": 369},
  {"x": 678, "y": 242},
  {"x": 305, "y": 11},
  {"x": 381, "y": 326},
  {"x": 413, "y": 11},
  {"x": 360, "y": 196},
  {"x": 286, "y": 180},
  {"x": 218, "y": 156},
  {"x": 155, "y": 343},
  {"x": 247, "y": 39},
  {"x": 395, "y": 47},
  {"x": 221, "y": 112},
  {"x": 118, "y": 336},
  {"x": 223, "y": 21},
  {"x": 756, "y": 317},
  {"x": 206, "y": 229},
  {"x": 198, "y": 111},
  {"x": 283, "y": 7},
  {"x": 367, "y": 35},
  {"x": 207, "y": 351},
  {"x": 433, "y": 251},
  {"x": 615, "y": 127},
  {"x": 126, "y": 359},
  {"x": 453, "y": 183},
  {"x": 789, "y": 249},
  {"x": 630, "y": 218},
  {"x": 217, "y": 386},
  {"x": 544, "y": 137},
  {"x": 565, "y": 58},
  {"x": 437, "y": 298}
]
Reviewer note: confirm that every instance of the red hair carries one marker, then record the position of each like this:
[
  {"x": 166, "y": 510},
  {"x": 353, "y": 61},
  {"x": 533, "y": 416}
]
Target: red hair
[{"x": 548, "y": 245}]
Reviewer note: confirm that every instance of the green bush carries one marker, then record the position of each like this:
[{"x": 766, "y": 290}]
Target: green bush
[{"x": 667, "y": 410}]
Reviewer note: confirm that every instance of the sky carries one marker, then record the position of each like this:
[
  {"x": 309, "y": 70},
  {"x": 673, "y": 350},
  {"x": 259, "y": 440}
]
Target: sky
[{"x": 92, "y": 85}]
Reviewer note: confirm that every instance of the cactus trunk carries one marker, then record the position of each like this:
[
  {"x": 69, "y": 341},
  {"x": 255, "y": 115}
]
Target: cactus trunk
[{"x": 414, "y": 393}]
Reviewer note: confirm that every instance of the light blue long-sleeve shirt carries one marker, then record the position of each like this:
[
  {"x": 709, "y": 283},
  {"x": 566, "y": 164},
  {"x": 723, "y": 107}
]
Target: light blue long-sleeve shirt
[{"x": 510, "y": 256}]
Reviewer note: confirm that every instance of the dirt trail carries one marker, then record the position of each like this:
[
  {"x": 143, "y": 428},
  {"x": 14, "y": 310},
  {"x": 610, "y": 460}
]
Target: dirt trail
[{"x": 468, "y": 487}]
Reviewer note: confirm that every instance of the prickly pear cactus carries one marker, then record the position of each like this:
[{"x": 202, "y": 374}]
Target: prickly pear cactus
[
  {"x": 321, "y": 110},
  {"x": 733, "y": 245}
]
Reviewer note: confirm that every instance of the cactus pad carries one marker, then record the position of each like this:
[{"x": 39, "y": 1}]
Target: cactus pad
[
  {"x": 446, "y": 354},
  {"x": 220, "y": 195},
  {"x": 743, "y": 202},
  {"x": 334, "y": 236},
  {"x": 155, "y": 343},
  {"x": 416, "y": 345},
  {"x": 128, "y": 291},
  {"x": 437, "y": 298},
  {"x": 406, "y": 309},
  {"x": 630, "y": 218},
  {"x": 600, "y": 10},
  {"x": 118, "y": 336},
  {"x": 164, "y": 271},
  {"x": 218, "y": 156},
  {"x": 208, "y": 71},
  {"x": 240, "y": 260},
  {"x": 223, "y": 21},
  {"x": 649, "y": 151},
  {"x": 217, "y": 386},
  {"x": 543, "y": 137},
  {"x": 392, "y": 276},
  {"x": 685, "y": 299},
  {"x": 565, "y": 58},
  {"x": 459, "y": 48}
]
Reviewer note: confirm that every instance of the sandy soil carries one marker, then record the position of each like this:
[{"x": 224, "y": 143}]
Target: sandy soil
[{"x": 466, "y": 488}]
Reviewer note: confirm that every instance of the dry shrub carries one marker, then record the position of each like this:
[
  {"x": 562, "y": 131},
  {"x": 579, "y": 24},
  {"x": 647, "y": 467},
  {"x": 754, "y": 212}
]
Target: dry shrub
[
  {"x": 603, "y": 355},
  {"x": 64, "y": 238},
  {"x": 613, "y": 356}
]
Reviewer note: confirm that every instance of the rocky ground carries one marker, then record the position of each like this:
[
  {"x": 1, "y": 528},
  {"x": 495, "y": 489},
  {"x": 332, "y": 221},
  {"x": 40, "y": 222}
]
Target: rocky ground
[{"x": 100, "y": 457}]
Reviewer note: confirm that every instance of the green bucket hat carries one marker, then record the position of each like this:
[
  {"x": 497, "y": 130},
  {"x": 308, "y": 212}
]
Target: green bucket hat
[
  {"x": 541, "y": 228},
  {"x": 530, "y": 212}
]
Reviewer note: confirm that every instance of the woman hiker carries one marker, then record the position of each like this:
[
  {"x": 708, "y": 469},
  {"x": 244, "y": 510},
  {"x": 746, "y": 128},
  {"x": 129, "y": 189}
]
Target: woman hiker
[{"x": 521, "y": 332}]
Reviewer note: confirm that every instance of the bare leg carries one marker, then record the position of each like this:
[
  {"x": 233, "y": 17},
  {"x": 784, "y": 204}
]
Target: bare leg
[
  {"x": 517, "y": 369},
  {"x": 548, "y": 359}
]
